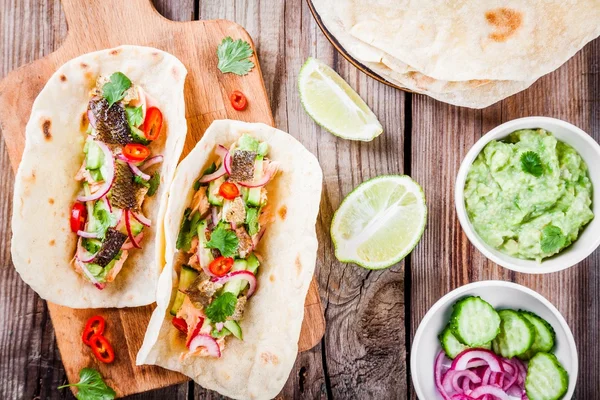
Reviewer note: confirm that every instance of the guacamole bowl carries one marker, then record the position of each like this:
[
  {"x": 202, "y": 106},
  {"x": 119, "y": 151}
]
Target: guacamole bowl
[
  {"x": 500, "y": 295},
  {"x": 589, "y": 236}
]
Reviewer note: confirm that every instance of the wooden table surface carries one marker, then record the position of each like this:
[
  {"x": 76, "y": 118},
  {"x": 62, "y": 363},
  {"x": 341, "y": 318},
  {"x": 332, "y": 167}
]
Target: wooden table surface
[{"x": 371, "y": 316}]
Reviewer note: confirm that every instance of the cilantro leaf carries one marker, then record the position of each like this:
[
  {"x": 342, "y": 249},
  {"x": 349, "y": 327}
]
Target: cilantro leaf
[
  {"x": 91, "y": 386},
  {"x": 223, "y": 239},
  {"x": 552, "y": 240},
  {"x": 221, "y": 307},
  {"x": 141, "y": 181},
  {"x": 114, "y": 90},
  {"x": 102, "y": 219},
  {"x": 252, "y": 221},
  {"x": 532, "y": 164},
  {"x": 189, "y": 228},
  {"x": 135, "y": 115},
  {"x": 233, "y": 56},
  {"x": 153, "y": 184}
]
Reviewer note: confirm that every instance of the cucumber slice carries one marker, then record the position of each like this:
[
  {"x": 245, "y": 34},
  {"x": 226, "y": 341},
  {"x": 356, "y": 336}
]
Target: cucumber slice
[
  {"x": 138, "y": 136},
  {"x": 234, "y": 328},
  {"x": 545, "y": 336},
  {"x": 474, "y": 322},
  {"x": 546, "y": 378},
  {"x": 213, "y": 192},
  {"x": 186, "y": 278},
  {"x": 254, "y": 193},
  {"x": 235, "y": 286},
  {"x": 452, "y": 347},
  {"x": 516, "y": 334}
]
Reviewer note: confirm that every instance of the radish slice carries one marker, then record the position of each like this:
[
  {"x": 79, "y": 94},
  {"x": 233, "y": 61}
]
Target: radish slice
[
  {"x": 215, "y": 175},
  {"x": 109, "y": 175},
  {"x": 138, "y": 172},
  {"x": 152, "y": 160},
  {"x": 128, "y": 226},
  {"x": 236, "y": 276},
  {"x": 129, "y": 245},
  {"x": 492, "y": 391},
  {"x": 141, "y": 218},
  {"x": 87, "y": 235},
  {"x": 267, "y": 176},
  {"x": 210, "y": 344},
  {"x": 462, "y": 360}
]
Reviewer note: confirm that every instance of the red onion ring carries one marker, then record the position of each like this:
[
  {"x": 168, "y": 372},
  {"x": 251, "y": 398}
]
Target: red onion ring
[
  {"x": 91, "y": 118},
  {"x": 227, "y": 163},
  {"x": 87, "y": 235},
  {"x": 108, "y": 178},
  {"x": 152, "y": 160},
  {"x": 437, "y": 373},
  {"x": 206, "y": 341},
  {"x": 128, "y": 226},
  {"x": 256, "y": 238},
  {"x": 267, "y": 176},
  {"x": 141, "y": 218},
  {"x": 236, "y": 276},
  {"x": 89, "y": 275},
  {"x": 138, "y": 172},
  {"x": 128, "y": 245},
  {"x": 108, "y": 205},
  {"x": 461, "y": 361},
  {"x": 215, "y": 175},
  {"x": 82, "y": 254},
  {"x": 495, "y": 391}
]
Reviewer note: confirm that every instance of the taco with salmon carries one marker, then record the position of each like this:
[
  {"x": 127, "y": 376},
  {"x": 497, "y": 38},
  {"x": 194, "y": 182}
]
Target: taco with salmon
[
  {"x": 102, "y": 144},
  {"x": 240, "y": 254}
]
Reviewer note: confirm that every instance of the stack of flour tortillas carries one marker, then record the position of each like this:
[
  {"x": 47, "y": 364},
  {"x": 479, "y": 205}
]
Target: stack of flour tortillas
[{"x": 470, "y": 53}]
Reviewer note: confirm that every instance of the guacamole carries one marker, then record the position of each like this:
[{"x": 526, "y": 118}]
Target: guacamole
[{"x": 530, "y": 195}]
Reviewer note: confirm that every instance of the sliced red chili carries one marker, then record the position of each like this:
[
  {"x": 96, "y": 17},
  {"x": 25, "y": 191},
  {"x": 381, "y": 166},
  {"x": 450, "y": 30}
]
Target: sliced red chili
[
  {"x": 102, "y": 349},
  {"x": 136, "y": 152},
  {"x": 94, "y": 326},
  {"x": 180, "y": 324},
  {"x": 78, "y": 217},
  {"x": 229, "y": 190},
  {"x": 194, "y": 333},
  {"x": 221, "y": 265},
  {"x": 238, "y": 100},
  {"x": 153, "y": 123}
]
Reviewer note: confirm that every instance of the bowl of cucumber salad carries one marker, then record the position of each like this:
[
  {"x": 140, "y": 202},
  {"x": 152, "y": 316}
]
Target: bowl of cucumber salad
[{"x": 494, "y": 340}]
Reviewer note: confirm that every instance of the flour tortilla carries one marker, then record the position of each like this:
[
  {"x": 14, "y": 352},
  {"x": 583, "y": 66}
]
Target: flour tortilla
[
  {"x": 45, "y": 189},
  {"x": 258, "y": 366}
]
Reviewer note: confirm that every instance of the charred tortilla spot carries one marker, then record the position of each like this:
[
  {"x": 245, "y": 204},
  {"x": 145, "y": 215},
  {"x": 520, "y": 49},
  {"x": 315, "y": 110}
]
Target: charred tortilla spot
[
  {"x": 506, "y": 22},
  {"x": 298, "y": 264},
  {"x": 110, "y": 247},
  {"x": 51, "y": 200},
  {"x": 175, "y": 73},
  {"x": 124, "y": 189},
  {"x": 114, "y": 52},
  {"x": 269, "y": 358},
  {"x": 242, "y": 165},
  {"x": 283, "y": 212},
  {"x": 83, "y": 65},
  {"x": 111, "y": 122},
  {"x": 63, "y": 78},
  {"x": 52, "y": 242},
  {"x": 272, "y": 278},
  {"x": 46, "y": 125},
  {"x": 84, "y": 121},
  {"x": 29, "y": 261}
]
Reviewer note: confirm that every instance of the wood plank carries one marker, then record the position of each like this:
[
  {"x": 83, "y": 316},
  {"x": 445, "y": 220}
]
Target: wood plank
[{"x": 445, "y": 259}]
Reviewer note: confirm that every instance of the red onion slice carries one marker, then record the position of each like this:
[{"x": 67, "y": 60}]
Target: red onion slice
[
  {"x": 460, "y": 396},
  {"x": 141, "y": 218},
  {"x": 495, "y": 391},
  {"x": 129, "y": 245},
  {"x": 227, "y": 163},
  {"x": 437, "y": 373},
  {"x": 138, "y": 172},
  {"x": 267, "y": 176},
  {"x": 87, "y": 235},
  {"x": 219, "y": 326},
  {"x": 128, "y": 226},
  {"x": 89, "y": 275},
  {"x": 91, "y": 118},
  {"x": 256, "y": 238},
  {"x": 236, "y": 276},
  {"x": 82, "y": 254},
  {"x": 109, "y": 175},
  {"x": 215, "y": 175},
  {"x": 203, "y": 261},
  {"x": 206, "y": 341},
  {"x": 462, "y": 360},
  {"x": 214, "y": 215},
  {"x": 152, "y": 160}
]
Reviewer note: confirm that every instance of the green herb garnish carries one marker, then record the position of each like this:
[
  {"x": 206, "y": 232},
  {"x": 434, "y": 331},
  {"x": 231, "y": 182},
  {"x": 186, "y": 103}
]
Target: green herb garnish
[
  {"x": 114, "y": 90},
  {"x": 212, "y": 168},
  {"x": 189, "y": 228},
  {"x": 252, "y": 221},
  {"x": 218, "y": 335},
  {"x": 224, "y": 240},
  {"x": 135, "y": 115},
  {"x": 233, "y": 56},
  {"x": 91, "y": 386},
  {"x": 153, "y": 184},
  {"x": 552, "y": 240},
  {"x": 532, "y": 164},
  {"x": 221, "y": 307}
]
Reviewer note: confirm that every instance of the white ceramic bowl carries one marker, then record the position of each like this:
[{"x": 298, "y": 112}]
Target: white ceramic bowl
[
  {"x": 589, "y": 238},
  {"x": 499, "y": 294}
]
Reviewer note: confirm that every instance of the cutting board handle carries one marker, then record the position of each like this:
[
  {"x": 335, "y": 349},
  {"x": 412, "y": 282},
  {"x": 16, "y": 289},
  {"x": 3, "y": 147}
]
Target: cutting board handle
[{"x": 88, "y": 18}]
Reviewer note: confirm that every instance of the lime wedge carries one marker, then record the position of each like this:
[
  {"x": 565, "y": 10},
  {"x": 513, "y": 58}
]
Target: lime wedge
[
  {"x": 334, "y": 105},
  {"x": 379, "y": 222}
]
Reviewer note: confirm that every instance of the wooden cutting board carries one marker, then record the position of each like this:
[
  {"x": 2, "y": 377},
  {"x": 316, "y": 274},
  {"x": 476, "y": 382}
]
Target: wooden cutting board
[{"x": 95, "y": 25}]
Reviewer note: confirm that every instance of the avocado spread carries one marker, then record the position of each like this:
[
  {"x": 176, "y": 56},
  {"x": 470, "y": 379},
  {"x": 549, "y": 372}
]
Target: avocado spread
[{"x": 530, "y": 195}]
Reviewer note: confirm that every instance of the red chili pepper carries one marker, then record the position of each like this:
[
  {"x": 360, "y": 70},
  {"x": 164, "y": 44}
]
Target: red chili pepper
[
  {"x": 136, "y": 152},
  {"x": 194, "y": 333},
  {"x": 221, "y": 265},
  {"x": 102, "y": 349},
  {"x": 229, "y": 190},
  {"x": 180, "y": 324},
  {"x": 238, "y": 100},
  {"x": 94, "y": 326},
  {"x": 78, "y": 217},
  {"x": 153, "y": 123}
]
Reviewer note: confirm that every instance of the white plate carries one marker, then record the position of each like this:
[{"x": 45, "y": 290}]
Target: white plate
[{"x": 499, "y": 294}]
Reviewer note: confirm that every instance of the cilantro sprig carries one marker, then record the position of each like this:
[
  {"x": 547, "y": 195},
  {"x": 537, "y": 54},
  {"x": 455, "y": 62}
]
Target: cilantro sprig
[
  {"x": 135, "y": 115},
  {"x": 91, "y": 386},
  {"x": 223, "y": 239},
  {"x": 189, "y": 228},
  {"x": 552, "y": 240},
  {"x": 233, "y": 56},
  {"x": 532, "y": 164},
  {"x": 115, "y": 89},
  {"x": 221, "y": 307}
]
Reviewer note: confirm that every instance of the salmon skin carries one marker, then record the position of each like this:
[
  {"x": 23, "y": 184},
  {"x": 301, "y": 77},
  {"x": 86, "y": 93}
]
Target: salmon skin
[{"x": 111, "y": 122}]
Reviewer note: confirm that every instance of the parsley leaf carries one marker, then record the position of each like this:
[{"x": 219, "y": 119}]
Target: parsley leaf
[
  {"x": 114, "y": 90},
  {"x": 532, "y": 164},
  {"x": 135, "y": 115},
  {"x": 91, "y": 386},
  {"x": 252, "y": 221},
  {"x": 153, "y": 184},
  {"x": 221, "y": 307},
  {"x": 233, "y": 56},
  {"x": 223, "y": 239},
  {"x": 188, "y": 230},
  {"x": 552, "y": 240}
]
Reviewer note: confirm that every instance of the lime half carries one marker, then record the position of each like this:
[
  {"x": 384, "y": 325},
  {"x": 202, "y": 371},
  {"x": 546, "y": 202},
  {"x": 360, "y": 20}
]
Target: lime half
[
  {"x": 334, "y": 105},
  {"x": 379, "y": 222}
]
